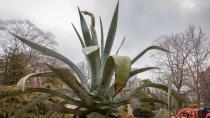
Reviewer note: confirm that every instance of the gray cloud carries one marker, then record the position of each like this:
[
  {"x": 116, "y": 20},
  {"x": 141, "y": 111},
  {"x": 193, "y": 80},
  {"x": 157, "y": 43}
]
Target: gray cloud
[{"x": 142, "y": 21}]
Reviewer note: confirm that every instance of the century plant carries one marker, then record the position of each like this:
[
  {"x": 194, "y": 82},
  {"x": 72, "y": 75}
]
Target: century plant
[{"x": 100, "y": 95}]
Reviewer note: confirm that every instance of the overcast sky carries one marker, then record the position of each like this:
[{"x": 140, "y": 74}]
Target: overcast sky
[{"x": 141, "y": 21}]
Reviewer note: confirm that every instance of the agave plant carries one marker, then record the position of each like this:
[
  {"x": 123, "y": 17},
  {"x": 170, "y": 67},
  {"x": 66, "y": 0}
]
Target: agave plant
[{"x": 100, "y": 95}]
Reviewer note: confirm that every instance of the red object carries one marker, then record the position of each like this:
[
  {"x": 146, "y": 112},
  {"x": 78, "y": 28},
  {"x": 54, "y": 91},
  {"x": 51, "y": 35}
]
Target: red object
[{"x": 193, "y": 113}]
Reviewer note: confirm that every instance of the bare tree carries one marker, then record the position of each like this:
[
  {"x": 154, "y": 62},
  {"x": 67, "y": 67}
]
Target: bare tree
[
  {"x": 188, "y": 58},
  {"x": 174, "y": 62},
  {"x": 198, "y": 59},
  {"x": 11, "y": 46},
  {"x": 205, "y": 88}
]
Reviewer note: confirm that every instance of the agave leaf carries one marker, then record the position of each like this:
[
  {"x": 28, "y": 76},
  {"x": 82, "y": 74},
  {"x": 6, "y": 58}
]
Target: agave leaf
[
  {"x": 61, "y": 109},
  {"x": 169, "y": 78},
  {"x": 110, "y": 92},
  {"x": 29, "y": 106},
  {"x": 140, "y": 100},
  {"x": 122, "y": 72},
  {"x": 79, "y": 37},
  {"x": 49, "y": 52},
  {"x": 102, "y": 49},
  {"x": 121, "y": 65},
  {"x": 139, "y": 94},
  {"x": 89, "y": 50},
  {"x": 102, "y": 37},
  {"x": 11, "y": 93},
  {"x": 176, "y": 95},
  {"x": 85, "y": 30},
  {"x": 21, "y": 83},
  {"x": 92, "y": 27},
  {"x": 93, "y": 59},
  {"x": 140, "y": 70},
  {"x": 134, "y": 95},
  {"x": 51, "y": 112},
  {"x": 121, "y": 44},
  {"x": 152, "y": 100},
  {"x": 145, "y": 81},
  {"x": 146, "y": 50},
  {"x": 110, "y": 35},
  {"x": 71, "y": 81}
]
